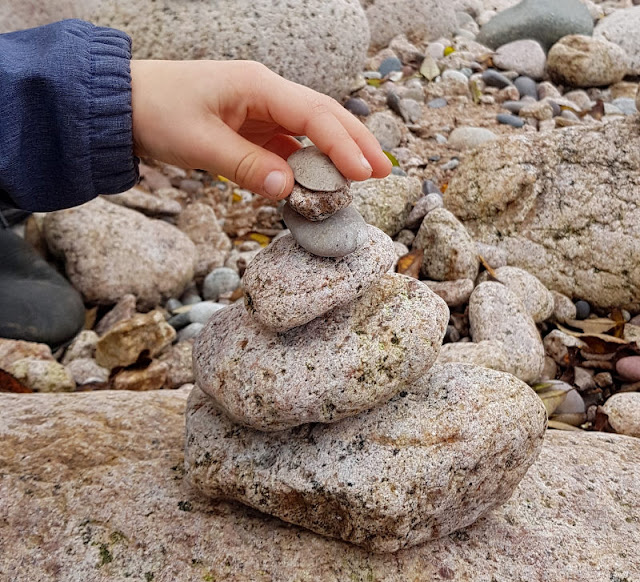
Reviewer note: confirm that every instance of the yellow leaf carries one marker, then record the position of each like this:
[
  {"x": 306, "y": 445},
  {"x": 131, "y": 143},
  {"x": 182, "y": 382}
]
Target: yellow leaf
[
  {"x": 392, "y": 158},
  {"x": 236, "y": 197},
  {"x": 449, "y": 50},
  {"x": 222, "y": 179},
  {"x": 562, "y": 426},
  {"x": 375, "y": 82},
  {"x": 552, "y": 399},
  {"x": 263, "y": 239}
]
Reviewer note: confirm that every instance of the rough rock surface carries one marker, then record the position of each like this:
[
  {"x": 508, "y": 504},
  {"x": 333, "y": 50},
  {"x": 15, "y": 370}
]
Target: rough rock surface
[
  {"x": 412, "y": 470},
  {"x": 583, "y": 61},
  {"x": 66, "y": 458},
  {"x": 623, "y": 28},
  {"x": 109, "y": 250},
  {"x": 314, "y": 205},
  {"x": 298, "y": 40},
  {"x": 198, "y": 221},
  {"x": 543, "y": 20},
  {"x": 418, "y": 19},
  {"x": 496, "y": 313},
  {"x": 285, "y": 286},
  {"x": 534, "y": 295},
  {"x": 623, "y": 411},
  {"x": 564, "y": 207},
  {"x": 354, "y": 358},
  {"x": 14, "y": 350},
  {"x": 30, "y": 13},
  {"x": 146, "y": 203},
  {"x": 454, "y": 293},
  {"x": 488, "y": 354},
  {"x": 524, "y": 56},
  {"x": 123, "y": 344},
  {"x": 386, "y": 203},
  {"x": 42, "y": 375},
  {"x": 449, "y": 251}
]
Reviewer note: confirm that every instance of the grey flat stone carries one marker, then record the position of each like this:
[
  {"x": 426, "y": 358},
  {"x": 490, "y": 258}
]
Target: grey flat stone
[
  {"x": 315, "y": 170},
  {"x": 353, "y": 358},
  {"x": 432, "y": 460},
  {"x": 285, "y": 286},
  {"x": 337, "y": 236},
  {"x": 543, "y": 20}
]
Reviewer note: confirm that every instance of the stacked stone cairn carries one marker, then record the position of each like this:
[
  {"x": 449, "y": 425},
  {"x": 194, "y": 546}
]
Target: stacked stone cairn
[{"x": 315, "y": 402}]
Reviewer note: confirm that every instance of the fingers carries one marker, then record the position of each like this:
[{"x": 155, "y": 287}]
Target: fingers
[
  {"x": 261, "y": 170},
  {"x": 349, "y": 144},
  {"x": 283, "y": 145}
]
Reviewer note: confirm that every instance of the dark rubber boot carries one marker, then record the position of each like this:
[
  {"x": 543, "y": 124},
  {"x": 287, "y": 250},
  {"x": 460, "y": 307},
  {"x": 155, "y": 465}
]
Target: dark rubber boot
[{"x": 37, "y": 304}]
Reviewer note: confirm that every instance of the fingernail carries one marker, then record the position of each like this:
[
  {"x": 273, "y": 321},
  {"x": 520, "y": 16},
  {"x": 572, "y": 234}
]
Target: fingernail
[
  {"x": 365, "y": 163},
  {"x": 275, "y": 184}
]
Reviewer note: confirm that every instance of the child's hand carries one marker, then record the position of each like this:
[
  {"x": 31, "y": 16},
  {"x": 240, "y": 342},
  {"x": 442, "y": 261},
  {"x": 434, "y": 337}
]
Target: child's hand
[{"x": 236, "y": 119}]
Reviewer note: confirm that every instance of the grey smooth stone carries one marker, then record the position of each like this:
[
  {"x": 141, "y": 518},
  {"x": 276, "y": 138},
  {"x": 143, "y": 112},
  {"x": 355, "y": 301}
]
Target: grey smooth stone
[
  {"x": 315, "y": 170},
  {"x": 389, "y": 65},
  {"x": 493, "y": 78},
  {"x": 173, "y": 304},
  {"x": 626, "y": 105},
  {"x": 430, "y": 187},
  {"x": 513, "y": 106},
  {"x": 543, "y": 20},
  {"x": 357, "y": 106},
  {"x": 396, "y": 171},
  {"x": 192, "y": 330},
  {"x": 201, "y": 312},
  {"x": 526, "y": 86},
  {"x": 220, "y": 281},
  {"x": 337, "y": 236},
  {"x": 437, "y": 103},
  {"x": 179, "y": 320},
  {"x": 511, "y": 120}
]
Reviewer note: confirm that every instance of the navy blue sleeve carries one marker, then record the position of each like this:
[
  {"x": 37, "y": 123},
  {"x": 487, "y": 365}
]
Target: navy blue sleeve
[{"x": 65, "y": 115}]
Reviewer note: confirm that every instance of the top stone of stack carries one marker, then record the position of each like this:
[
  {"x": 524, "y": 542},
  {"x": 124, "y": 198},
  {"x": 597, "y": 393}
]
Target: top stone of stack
[{"x": 320, "y": 189}]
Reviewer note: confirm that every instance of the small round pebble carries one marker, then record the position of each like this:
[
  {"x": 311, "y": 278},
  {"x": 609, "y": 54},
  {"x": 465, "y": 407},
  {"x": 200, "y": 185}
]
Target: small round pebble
[
  {"x": 173, "y": 304},
  {"x": 191, "y": 299},
  {"x": 189, "y": 332},
  {"x": 357, "y": 106},
  {"x": 438, "y": 103},
  {"x": 456, "y": 76},
  {"x": 508, "y": 119},
  {"x": 583, "y": 309},
  {"x": 201, "y": 312},
  {"x": 629, "y": 368},
  {"x": 430, "y": 187},
  {"x": 493, "y": 78},
  {"x": 396, "y": 171},
  {"x": 389, "y": 65},
  {"x": 513, "y": 106},
  {"x": 219, "y": 282},
  {"x": 626, "y": 105},
  {"x": 315, "y": 170},
  {"x": 179, "y": 320},
  {"x": 526, "y": 86}
]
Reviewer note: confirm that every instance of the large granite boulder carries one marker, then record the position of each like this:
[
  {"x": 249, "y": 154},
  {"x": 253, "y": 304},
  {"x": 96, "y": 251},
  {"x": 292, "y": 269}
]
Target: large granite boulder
[
  {"x": 319, "y": 43},
  {"x": 418, "y": 19},
  {"x": 353, "y": 358},
  {"x": 563, "y": 205},
  {"x": 622, "y": 27},
  {"x": 109, "y": 251},
  {"x": 432, "y": 460},
  {"x": 93, "y": 488}
]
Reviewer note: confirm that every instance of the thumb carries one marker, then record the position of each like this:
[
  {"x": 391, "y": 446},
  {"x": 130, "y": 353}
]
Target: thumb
[{"x": 247, "y": 164}]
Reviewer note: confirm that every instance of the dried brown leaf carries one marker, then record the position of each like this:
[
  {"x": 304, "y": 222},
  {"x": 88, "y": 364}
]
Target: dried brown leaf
[
  {"x": 411, "y": 263},
  {"x": 488, "y": 267},
  {"x": 9, "y": 383}
]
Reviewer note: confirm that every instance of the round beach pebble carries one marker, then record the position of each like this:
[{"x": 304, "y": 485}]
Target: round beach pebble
[
  {"x": 629, "y": 368},
  {"x": 337, "y": 236},
  {"x": 317, "y": 205},
  {"x": 285, "y": 286},
  {"x": 354, "y": 358},
  {"x": 623, "y": 410},
  {"x": 315, "y": 170},
  {"x": 220, "y": 281}
]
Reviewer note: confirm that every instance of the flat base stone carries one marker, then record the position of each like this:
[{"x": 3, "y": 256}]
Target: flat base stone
[{"x": 92, "y": 488}]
